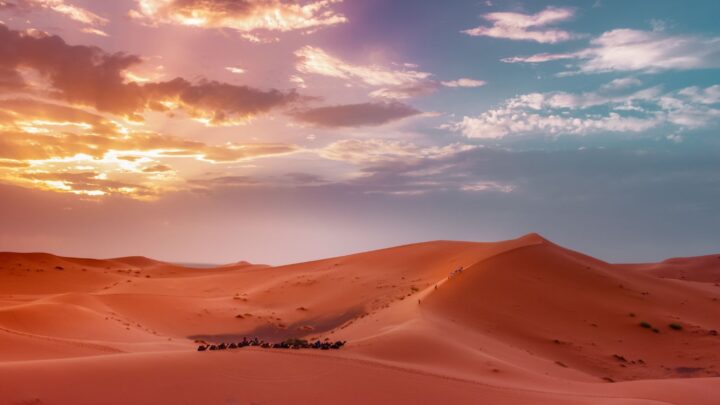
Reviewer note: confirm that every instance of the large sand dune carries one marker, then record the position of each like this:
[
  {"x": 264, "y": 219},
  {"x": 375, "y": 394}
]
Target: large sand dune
[{"x": 525, "y": 321}]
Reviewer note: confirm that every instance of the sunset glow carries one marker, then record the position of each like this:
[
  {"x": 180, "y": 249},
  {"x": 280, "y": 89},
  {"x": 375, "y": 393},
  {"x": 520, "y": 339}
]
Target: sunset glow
[{"x": 508, "y": 115}]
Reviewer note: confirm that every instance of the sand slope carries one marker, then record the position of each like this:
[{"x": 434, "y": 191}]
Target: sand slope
[
  {"x": 525, "y": 321},
  {"x": 704, "y": 269}
]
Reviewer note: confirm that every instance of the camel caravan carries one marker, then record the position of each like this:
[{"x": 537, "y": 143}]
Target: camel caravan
[{"x": 285, "y": 344}]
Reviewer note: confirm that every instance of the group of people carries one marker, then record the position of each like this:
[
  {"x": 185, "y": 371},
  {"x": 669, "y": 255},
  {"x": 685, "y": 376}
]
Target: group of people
[
  {"x": 285, "y": 344},
  {"x": 456, "y": 272}
]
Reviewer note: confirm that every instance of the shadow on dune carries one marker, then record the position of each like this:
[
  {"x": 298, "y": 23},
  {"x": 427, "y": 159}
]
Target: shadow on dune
[{"x": 297, "y": 329}]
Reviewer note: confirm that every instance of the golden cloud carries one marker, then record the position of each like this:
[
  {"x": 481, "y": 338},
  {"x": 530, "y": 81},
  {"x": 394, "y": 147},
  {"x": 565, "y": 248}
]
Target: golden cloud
[
  {"x": 61, "y": 148},
  {"x": 245, "y": 16}
]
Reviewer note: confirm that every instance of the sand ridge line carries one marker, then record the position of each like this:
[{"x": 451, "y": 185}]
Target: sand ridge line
[{"x": 103, "y": 348}]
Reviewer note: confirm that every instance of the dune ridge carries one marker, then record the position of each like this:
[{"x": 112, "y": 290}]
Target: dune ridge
[{"x": 524, "y": 321}]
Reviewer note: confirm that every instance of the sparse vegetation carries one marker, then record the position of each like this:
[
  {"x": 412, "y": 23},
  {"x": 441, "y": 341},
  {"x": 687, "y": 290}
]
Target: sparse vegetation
[
  {"x": 645, "y": 325},
  {"x": 675, "y": 326}
]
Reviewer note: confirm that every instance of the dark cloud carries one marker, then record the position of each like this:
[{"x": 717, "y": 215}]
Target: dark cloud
[
  {"x": 356, "y": 115},
  {"x": 87, "y": 75}
]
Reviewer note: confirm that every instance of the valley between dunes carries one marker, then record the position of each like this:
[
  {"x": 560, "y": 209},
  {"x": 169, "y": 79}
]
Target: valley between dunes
[{"x": 525, "y": 321}]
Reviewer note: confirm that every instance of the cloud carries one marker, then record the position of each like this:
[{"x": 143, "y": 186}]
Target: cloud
[
  {"x": 558, "y": 113},
  {"x": 370, "y": 151},
  {"x": 71, "y": 11},
  {"x": 88, "y": 76},
  {"x": 561, "y": 99},
  {"x": 235, "y": 70},
  {"x": 464, "y": 82},
  {"x": 487, "y": 185},
  {"x": 317, "y": 61},
  {"x": 401, "y": 82},
  {"x": 402, "y": 168},
  {"x": 709, "y": 95},
  {"x": 95, "y": 31},
  {"x": 498, "y": 123},
  {"x": 356, "y": 115},
  {"x": 54, "y": 147},
  {"x": 635, "y": 50},
  {"x": 244, "y": 16},
  {"x": 526, "y": 27},
  {"x": 214, "y": 102},
  {"x": 86, "y": 183},
  {"x": 539, "y": 58},
  {"x": 622, "y": 83},
  {"x": 157, "y": 168}
]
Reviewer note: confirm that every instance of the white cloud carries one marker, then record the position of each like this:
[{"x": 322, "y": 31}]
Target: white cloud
[
  {"x": 368, "y": 151},
  {"x": 463, "y": 82},
  {"x": 635, "y": 50},
  {"x": 298, "y": 81},
  {"x": 622, "y": 83},
  {"x": 317, "y": 61},
  {"x": 94, "y": 31},
  {"x": 528, "y": 27},
  {"x": 710, "y": 95},
  {"x": 71, "y": 11},
  {"x": 558, "y": 113},
  {"x": 235, "y": 70},
  {"x": 496, "y": 124},
  {"x": 488, "y": 186},
  {"x": 539, "y": 58},
  {"x": 391, "y": 83}
]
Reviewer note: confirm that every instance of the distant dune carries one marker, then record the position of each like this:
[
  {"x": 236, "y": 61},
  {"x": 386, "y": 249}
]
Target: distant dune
[
  {"x": 705, "y": 269},
  {"x": 511, "y": 322}
]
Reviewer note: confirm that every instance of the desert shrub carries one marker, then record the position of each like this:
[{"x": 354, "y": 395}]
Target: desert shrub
[
  {"x": 645, "y": 325},
  {"x": 675, "y": 326}
]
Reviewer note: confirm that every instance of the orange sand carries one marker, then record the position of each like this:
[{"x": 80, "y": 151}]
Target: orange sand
[{"x": 526, "y": 321}]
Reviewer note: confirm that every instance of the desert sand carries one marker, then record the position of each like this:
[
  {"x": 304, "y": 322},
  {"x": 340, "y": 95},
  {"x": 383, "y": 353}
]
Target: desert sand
[{"x": 525, "y": 321}]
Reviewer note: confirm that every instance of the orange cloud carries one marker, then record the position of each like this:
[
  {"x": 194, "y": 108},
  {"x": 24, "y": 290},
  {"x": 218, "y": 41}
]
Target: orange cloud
[
  {"x": 71, "y": 11},
  {"x": 61, "y": 148}
]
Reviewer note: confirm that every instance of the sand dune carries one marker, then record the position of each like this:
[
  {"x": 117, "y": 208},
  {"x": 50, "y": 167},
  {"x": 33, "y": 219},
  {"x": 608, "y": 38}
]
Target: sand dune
[
  {"x": 704, "y": 269},
  {"x": 525, "y": 321}
]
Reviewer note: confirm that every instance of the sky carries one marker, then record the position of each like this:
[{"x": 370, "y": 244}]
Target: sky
[{"x": 214, "y": 131}]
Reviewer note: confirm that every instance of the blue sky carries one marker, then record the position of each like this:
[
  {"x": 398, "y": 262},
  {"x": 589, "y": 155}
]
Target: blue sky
[{"x": 213, "y": 131}]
